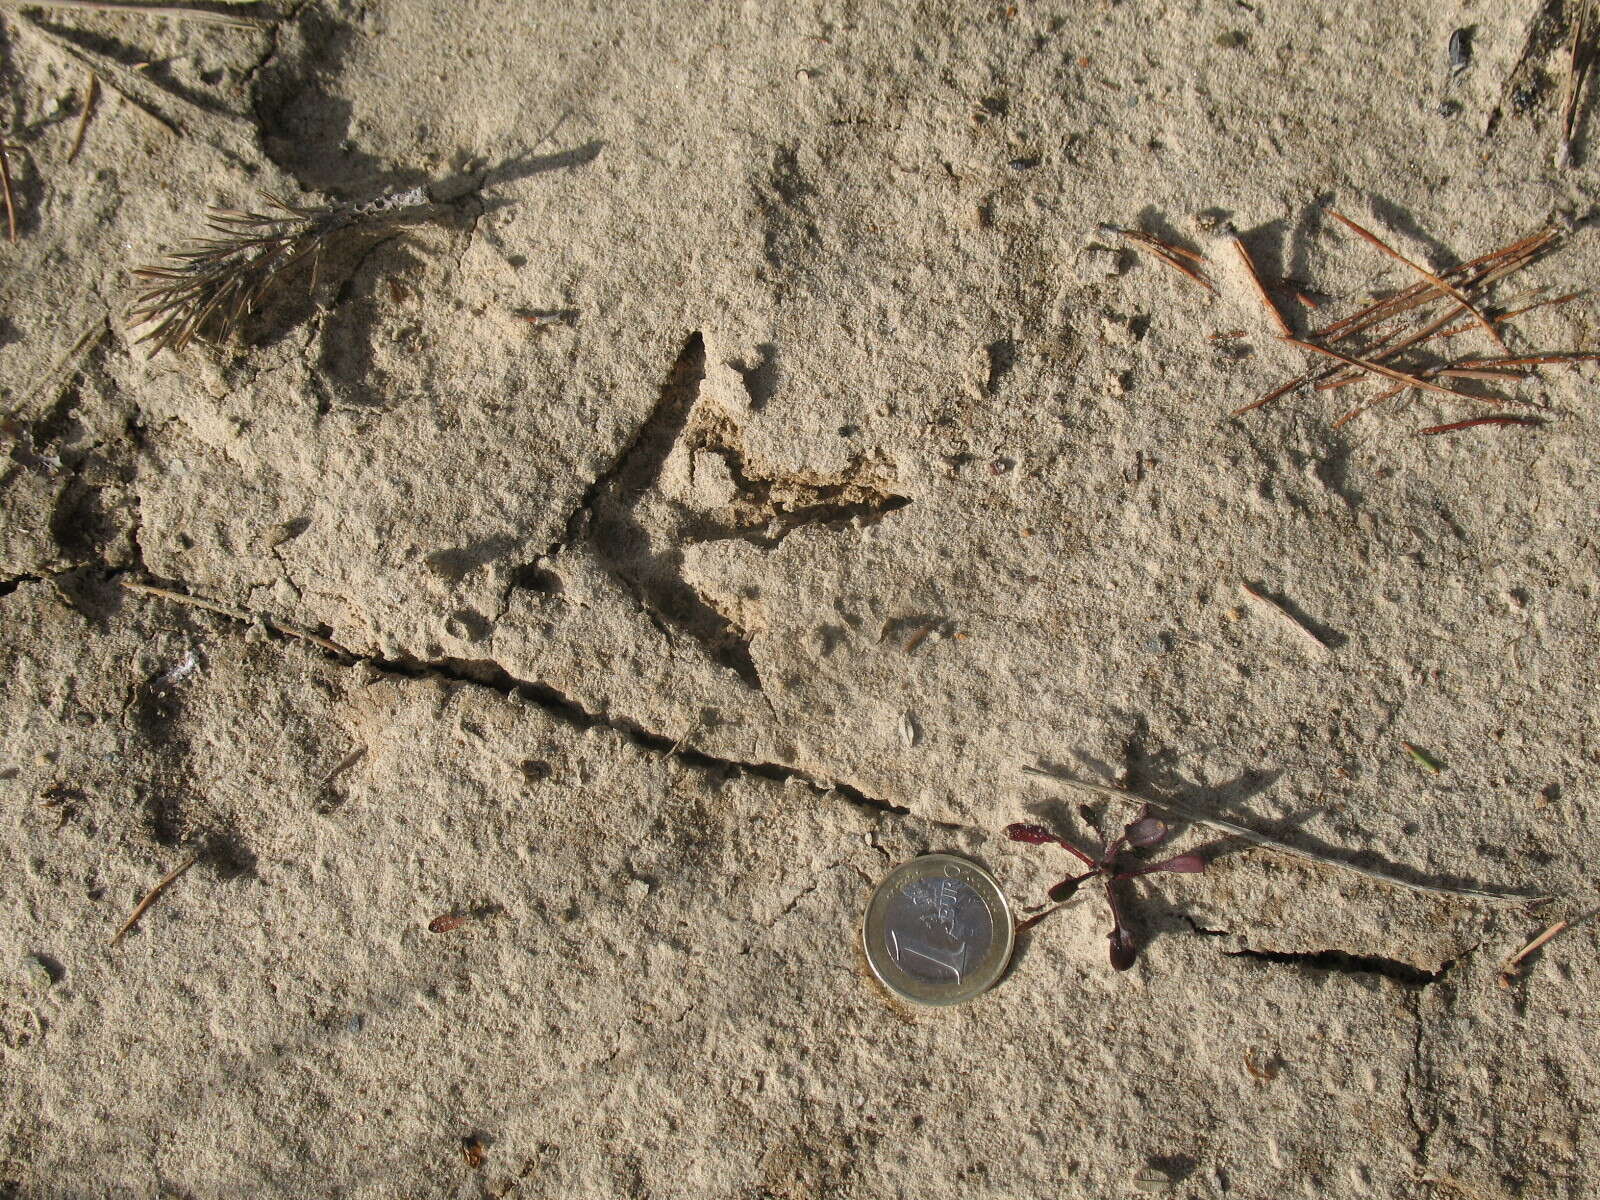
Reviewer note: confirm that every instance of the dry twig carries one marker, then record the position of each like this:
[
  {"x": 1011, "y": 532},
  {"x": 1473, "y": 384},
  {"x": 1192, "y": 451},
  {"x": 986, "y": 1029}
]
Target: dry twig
[
  {"x": 1261, "y": 291},
  {"x": 177, "y": 12},
  {"x": 1509, "y": 971},
  {"x": 150, "y": 896},
  {"x": 1431, "y": 430},
  {"x": 5, "y": 183},
  {"x": 90, "y": 96}
]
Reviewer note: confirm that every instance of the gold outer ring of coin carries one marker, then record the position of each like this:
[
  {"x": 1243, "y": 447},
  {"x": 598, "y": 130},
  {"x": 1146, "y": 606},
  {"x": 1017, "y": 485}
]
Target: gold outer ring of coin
[{"x": 983, "y": 975}]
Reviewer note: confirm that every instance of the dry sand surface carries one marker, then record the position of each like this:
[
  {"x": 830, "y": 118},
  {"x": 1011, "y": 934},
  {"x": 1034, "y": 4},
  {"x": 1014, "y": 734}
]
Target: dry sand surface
[{"x": 845, "y": 468}]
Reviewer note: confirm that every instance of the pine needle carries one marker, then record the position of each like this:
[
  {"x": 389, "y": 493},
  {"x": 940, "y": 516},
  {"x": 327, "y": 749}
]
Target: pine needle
[
  {"x": 208, "y": 287},
  {"x": 150, "y": 897},
  {"x": 90, "y": 97},
  {"x": 1439, "y": 282}
]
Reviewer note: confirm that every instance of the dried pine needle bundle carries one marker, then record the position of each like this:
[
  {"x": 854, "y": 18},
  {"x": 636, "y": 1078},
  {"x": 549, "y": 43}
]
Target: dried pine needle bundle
[{"x": 205, "y": 289}]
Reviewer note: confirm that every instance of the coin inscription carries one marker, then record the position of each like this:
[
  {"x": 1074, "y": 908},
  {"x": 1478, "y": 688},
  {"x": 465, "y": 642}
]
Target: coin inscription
[{"x": 938, "y": 930}]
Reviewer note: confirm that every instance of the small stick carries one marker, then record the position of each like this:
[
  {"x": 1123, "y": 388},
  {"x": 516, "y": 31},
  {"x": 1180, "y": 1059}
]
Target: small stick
[
  {"x": 1380, "y": 369},
  {"x": 89, "y": 99},
  {"x": 1572, "y": 86},
  {"x": 1281, "y": 390},
  {"x": 1438, "y": 281},
  {"x": 1475, "y": 421},
  {"x": 1529, "y": 360},
  {"x": 1261, "y": 291},
  {"x": 1509, "y": 972},
  {"x": 239, "y": 614},
  {"x": 5, "y": 182},
  {"x": 176, "y": 11},
  {"x": 1496, "y": 264},
  {"x": 1222, "y": 337},
  {"x": 920, "y": 636},
  {"x": 1517, "y": 312},
  {"x": 1288, "y": 618},
  {"x": 1169, "y": 254},
  {"x": 687, "y": 734},
  {"x": 1373, "y": 403},
  {"x": 150, "y": 896},
  {"x": 1246, "y": 834},
  {"x": 1477, "y": 373}
]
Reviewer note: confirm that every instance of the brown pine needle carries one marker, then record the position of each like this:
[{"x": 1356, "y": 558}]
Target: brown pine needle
[
  {"x": 1149, "y": 239},
  {"x": 1373, "y": 403},
  {"x": 89, "y": 99},
  {"x": 150, "y": 896},
  {"x": 1578, "y": 64},
  {"x": 1493, "y": 265},
  {"x": 176, "y": 11},
  {"x": 1283, "y": 389},
  {"x": 5, "y": 183},
  {"x": 1509, "y": 972},
  {"x": 1181, "y": 267},
  {"x": 1379, "y": 369},
  {"x": 1478, "y": 373},
  {"x": 1389, "y": 351},
  {"x": 1438, "y": 281},
  {"x": 1261, "y": 291},
  {"x": 1474, "y": 422},
  {"x": 1517, "y": 312},
  {"x": 1529, "y": 360},
  {"x": 1172, "y": 255}
]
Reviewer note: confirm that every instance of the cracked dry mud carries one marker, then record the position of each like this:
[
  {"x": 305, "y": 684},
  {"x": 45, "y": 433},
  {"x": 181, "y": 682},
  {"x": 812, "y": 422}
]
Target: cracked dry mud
[{"x": 841, "y": 424}]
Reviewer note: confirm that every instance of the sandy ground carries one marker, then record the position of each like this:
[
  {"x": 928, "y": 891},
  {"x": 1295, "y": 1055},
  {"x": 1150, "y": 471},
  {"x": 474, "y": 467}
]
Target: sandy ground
[{"x": 851, "y": 470}]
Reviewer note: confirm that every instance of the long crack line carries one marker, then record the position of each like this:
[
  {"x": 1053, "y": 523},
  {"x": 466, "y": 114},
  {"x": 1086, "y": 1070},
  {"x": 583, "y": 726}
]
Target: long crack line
[{"x": 488, "y": 674}]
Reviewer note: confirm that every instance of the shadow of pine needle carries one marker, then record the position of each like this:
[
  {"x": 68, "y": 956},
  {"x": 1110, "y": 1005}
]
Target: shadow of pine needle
[{"x": 205, "y": 289}]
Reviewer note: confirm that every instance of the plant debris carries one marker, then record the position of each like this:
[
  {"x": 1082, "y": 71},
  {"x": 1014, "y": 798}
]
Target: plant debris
[
  {"x": 167, "y": 881},
  {"x": 1423, "y": 759},
  {"x": 1452, "y": 426},
  {"x": 91, "y": 96},
  {"x": 1509, "y": 972},
  {"x": 207, "y": 288}
]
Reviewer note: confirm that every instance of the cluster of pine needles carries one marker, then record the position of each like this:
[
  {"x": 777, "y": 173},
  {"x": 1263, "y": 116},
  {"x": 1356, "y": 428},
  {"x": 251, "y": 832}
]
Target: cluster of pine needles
[
  {"x": 1393, "y": 340},
  {"x": 207, "y": 288}
]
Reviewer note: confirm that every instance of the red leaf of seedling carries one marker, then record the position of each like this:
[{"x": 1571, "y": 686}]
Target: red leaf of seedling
[
  {"x": 1064, "y": 890},
  {"x": 1034, "y": 835},
  {"x": 1146, "y": 832},
  {"x": 1123, "y": 950},
  {"x": 1182, "y": 864}
]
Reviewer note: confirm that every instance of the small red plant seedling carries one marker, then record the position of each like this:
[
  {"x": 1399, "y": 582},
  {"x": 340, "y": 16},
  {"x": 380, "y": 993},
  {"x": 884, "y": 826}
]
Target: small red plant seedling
[{"x": 1111, "y": 868}]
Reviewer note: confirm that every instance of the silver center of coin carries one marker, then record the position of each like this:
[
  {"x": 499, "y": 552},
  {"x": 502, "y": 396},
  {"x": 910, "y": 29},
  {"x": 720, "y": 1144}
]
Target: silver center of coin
[{"x": 938, "y": 930}]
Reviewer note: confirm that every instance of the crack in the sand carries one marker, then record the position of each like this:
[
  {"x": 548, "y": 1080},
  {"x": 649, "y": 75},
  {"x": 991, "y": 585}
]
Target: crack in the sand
[{"x": 490, "y": 674}]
